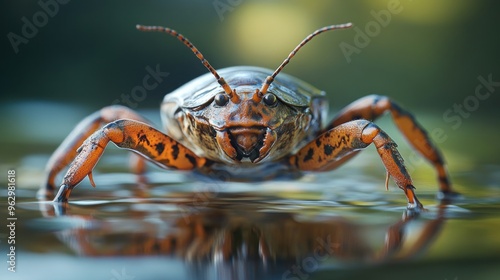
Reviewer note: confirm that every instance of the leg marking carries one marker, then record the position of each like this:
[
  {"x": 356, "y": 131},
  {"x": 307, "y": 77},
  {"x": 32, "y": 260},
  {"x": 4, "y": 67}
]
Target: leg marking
[
  {"x": 373, "y": 106},
  {"x": 66, "y": 152},
  {"x": 133, "y": 135},
  {"x": 341, "y": 142}
]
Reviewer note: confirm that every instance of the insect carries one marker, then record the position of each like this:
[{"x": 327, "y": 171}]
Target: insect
[{"x": 248, "y": 122}]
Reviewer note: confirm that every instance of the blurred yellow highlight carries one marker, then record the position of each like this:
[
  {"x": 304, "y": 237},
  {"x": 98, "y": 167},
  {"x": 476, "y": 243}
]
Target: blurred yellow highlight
[{"x": 264, "y": 35}]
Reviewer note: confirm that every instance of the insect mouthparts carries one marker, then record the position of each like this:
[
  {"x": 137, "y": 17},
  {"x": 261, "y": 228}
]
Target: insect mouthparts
[{"x": 247, "y": 141}]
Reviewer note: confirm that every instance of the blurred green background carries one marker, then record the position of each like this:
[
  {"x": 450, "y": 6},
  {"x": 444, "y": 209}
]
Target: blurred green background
[{"x": 429, "y": 55}]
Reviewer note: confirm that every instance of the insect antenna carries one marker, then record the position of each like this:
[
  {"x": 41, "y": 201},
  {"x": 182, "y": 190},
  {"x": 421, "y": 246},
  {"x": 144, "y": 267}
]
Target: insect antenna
[
  {"x": 270, "y": 79},
  {"x": 198, "y": 54}
]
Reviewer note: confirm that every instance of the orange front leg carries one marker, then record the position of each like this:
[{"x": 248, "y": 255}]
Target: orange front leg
[
  {"x": 66, "y": 152},
  {"x": 373, "y": 106},
  {"x": 340, "y": 142},
  {"x": 128, "y": 134}
]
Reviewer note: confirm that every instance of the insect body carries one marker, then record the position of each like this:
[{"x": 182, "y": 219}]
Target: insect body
[
  {"x": 247, "y": 131},
  {"x": 248, "y": 121}
]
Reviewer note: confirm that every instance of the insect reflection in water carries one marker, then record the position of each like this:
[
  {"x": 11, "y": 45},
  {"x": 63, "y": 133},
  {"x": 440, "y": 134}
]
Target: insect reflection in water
[{"x": 236, "y": 230}]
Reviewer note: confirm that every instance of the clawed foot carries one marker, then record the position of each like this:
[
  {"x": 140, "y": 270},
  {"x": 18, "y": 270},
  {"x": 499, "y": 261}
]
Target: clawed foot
[{"x": 63, "y": 194}]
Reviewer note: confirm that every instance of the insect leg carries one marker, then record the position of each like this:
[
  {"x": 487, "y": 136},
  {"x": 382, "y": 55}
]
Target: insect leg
[
  {"x": 373, "y": 106},
  {"x": 132, "y": 135},
  {"x": 66, "y": 151},
  {"x": 325, "y": 152}
]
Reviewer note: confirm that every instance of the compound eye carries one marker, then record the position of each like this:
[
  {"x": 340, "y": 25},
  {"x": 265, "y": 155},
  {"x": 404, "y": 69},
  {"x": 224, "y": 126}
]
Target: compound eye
[
  {"x": 270, "y": 99},
  {"x": 221, "y": 99}
]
